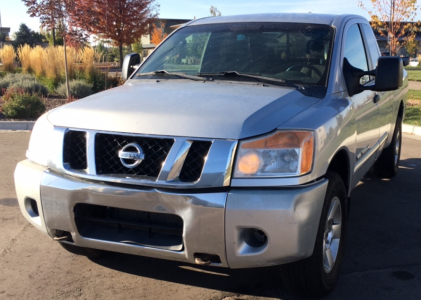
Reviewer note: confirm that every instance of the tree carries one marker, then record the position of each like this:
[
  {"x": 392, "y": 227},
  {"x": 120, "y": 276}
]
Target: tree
[
  {"x": 137, "y": 47},
  {"x": 215, "y": 12},
  {"x": 51, "y": 13},
  {"x": 393, "y": 19},
  {"x": 122, "y": 21},
  {"x": 26, "y": 36},
  {"x": 50, "y": 37},
  {"x": 411, "y": 45},
  {"x": 48, "y": 11},
  {"x": 158, "y": 34}
]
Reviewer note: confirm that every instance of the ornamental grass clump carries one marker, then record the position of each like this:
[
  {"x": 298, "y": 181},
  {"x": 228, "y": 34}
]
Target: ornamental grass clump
[
  {"x": 23, "y": 106},
  {"x": 24, "y": 54},
  {"x": 72, "y": 60},
  {"x": 7, "y": 57},
  {"x": 52, "y": 65},
  {"x": 36, "y": 57},
  {"x": 87, "y": 57},
  {"x": 78, "y": 89}
]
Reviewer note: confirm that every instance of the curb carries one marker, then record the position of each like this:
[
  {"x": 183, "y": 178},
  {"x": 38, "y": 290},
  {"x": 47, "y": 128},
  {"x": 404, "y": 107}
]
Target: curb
[
  {"x": 411, "y": 129},
  {"x": 17, "y": 125}
]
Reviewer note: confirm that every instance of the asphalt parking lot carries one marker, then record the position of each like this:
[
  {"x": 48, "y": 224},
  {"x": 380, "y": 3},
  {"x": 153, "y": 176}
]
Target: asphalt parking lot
[{"x": 382, "y": 260}]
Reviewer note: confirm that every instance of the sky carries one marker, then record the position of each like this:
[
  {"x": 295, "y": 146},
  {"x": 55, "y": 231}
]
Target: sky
[{"x": 13, "y": 12}]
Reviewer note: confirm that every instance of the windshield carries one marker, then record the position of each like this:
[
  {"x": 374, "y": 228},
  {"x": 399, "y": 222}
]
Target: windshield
[{"x": 298, "y": 53}]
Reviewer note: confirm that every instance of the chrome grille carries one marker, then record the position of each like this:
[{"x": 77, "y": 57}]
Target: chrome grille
[
  {"x": 168, "y": 162},
  {"x": 107, "y": 161},
  {"x": 195, "y": 161},
  {"x": 74, "y": 152}
]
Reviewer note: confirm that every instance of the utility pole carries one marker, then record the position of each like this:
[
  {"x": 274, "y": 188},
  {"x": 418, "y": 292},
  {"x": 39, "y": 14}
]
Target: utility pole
[
  {"x": 1, "y": 32},
  {"x": 391, "y": 27}
]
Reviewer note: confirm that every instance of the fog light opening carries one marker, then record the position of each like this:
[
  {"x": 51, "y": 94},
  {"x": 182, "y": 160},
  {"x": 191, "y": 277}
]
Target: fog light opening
[
  {"x": 254, "y": 237},
  {"x": 32, "y": 207}
]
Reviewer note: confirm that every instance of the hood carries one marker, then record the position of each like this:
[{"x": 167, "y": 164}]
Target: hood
[{"x": 219, "y": 109}]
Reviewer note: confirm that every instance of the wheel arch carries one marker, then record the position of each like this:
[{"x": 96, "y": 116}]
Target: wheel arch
[{"x": 340, "y": 164}]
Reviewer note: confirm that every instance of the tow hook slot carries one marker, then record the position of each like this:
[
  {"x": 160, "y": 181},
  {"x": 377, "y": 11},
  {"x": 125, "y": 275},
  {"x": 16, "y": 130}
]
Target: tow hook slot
[
  {"x": 204, "y": 259},
  {"x": 62, "y": 236}
]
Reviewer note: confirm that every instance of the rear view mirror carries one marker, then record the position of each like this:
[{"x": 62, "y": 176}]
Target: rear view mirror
[
  {"x": 130, "y": 63},
  {"x": 389, "y": 76},
  {"x": 389, "y": 73}
]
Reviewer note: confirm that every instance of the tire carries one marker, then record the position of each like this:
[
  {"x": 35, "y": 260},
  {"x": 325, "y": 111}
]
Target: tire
[
  {"x": 88, "y": 252},
  {"x": 315, "y": 276},
  {"x": 388, "y": 163}
]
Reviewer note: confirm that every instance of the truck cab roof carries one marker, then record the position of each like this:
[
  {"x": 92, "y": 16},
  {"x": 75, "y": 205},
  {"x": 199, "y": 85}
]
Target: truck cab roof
[{"x": 311, "y": 18}]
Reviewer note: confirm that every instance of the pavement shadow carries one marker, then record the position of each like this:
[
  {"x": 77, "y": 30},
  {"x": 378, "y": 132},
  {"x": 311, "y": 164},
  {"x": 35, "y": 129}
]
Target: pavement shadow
[
  {"x": 384, "y": 223},
  {"x": 259, "y": 282},
  {"x": 383, "y": 232}
]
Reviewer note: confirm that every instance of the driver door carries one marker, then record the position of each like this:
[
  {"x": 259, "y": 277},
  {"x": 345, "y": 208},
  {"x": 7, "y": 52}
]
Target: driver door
[{"x": 365, "y": 108}]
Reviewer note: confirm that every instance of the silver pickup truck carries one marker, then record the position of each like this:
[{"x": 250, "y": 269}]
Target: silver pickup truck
[{"x": 235, "y": 144}]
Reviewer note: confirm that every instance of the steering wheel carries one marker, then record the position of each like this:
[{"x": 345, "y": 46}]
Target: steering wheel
[{"x": 306, "y": 66}]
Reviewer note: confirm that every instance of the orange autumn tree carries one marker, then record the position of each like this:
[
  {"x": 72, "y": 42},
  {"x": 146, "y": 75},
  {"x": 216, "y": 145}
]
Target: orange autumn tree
[
  {"x": 121, "y": 21},
  {"x": 158, "y": 34},
  {"x": 393, "y": 19}
]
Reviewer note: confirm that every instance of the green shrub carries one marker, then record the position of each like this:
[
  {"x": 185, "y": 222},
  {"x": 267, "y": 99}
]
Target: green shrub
[
  {"x": 23, "y": 106},
  {"x": 28, "y": 86},
  {"x": 49, "y": 83},
  {"x": 100, "y": 81},
  {"x": 78, "y": 89},
  {"x": 17, "y": 79}
]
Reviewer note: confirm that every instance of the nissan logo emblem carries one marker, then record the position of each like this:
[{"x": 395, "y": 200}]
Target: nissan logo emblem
[{"x": 131, "y": 155}]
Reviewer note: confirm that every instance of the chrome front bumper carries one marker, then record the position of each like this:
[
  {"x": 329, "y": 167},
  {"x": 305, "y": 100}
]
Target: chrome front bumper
[{"x": 216, "y": 223}]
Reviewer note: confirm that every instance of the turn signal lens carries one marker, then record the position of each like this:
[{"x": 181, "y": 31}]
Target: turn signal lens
[{"x": 278, "y": 155}]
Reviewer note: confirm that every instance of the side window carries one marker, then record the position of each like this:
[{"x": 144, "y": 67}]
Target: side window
[
  {"x": 355, "y": 52},
  {"x": 372, "y": 44}
]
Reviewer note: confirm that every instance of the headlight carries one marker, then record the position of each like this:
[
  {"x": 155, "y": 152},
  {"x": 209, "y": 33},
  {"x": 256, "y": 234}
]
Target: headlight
[
  {"x": 40, "y": 142},
  {"x": 281, "y": 154}
]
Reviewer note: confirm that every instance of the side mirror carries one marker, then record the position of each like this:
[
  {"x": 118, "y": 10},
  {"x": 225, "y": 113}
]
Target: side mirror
[
  {"x": 389, "y": 75},
  {"x": 130, "y": 63}
]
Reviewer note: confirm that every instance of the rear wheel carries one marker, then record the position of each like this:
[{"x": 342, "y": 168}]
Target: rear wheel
[
  {"x": 388, "y": 163},
  {"x": 88, "y": 252},
  {"x": 317, "y": 275}
]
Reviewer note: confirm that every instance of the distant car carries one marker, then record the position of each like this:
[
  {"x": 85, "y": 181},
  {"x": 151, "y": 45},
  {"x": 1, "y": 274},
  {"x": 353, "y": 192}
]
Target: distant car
[
  {"x": 413, "y": 62},
  {"x": 405, "y": 60}
]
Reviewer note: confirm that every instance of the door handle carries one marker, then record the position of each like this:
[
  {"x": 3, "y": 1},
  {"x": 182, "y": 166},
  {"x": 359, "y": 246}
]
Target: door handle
[{"x": 376, "y": 98}]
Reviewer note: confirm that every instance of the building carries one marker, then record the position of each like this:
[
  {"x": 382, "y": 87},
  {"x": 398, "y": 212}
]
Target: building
[{"x": 4, "y": 33}]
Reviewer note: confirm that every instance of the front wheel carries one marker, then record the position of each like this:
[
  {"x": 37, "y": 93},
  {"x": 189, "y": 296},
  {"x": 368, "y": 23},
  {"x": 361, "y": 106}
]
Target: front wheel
[{"x": 317, "y": 275}]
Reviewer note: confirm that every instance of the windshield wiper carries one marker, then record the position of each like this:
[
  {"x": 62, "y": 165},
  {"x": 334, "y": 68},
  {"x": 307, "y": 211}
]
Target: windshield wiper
[
  {"x": 257, "y": 78},
  {"x": 166, "y": 73}
]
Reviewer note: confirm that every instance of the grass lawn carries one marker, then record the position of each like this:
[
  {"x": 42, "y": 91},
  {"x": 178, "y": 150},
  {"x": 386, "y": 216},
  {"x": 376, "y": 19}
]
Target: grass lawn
[
  {"x": 413, "y": 115},
  {"x": 414, "y": 75},
  {"x": 414, "y": 94}
]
